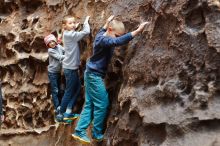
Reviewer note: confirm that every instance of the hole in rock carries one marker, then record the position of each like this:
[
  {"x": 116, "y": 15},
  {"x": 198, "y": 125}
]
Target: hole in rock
[
  {"x": 40, "y": 123},
  {"x": 192, "y": 4},
  {"x": 28, "y": 119},
  {"x": 22, "y": 47},
  {"x": 24, "y": 24},
  {"x": 10, "y": 37},
  {"x": 195, "y": 19},
  {"x": 31, "y": 5},
  {"x": 164, "y": 28},
  {"x": 9, "y": 53},
  {"x": 38, "y": 45},
  {"x": 35, "y": 20},
  {"x": 155, "y": 134},
  {"x": 8, "y": 6}
]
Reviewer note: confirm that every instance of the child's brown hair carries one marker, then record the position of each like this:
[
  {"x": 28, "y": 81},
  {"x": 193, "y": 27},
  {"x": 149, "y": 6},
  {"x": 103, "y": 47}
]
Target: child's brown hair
[{"x": 64, "y": 21}]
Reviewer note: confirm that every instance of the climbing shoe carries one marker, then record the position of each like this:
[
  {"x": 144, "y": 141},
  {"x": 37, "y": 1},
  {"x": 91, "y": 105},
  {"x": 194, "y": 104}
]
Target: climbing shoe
[
  {"x": 82, "y": 137},
  {"x": 59, "y": 119},
  {"x": 67, "y": 121},
  {"x": 97, "y": 137}
]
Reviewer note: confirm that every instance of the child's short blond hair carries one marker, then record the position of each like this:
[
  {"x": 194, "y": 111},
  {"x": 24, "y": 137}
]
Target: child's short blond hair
[
  {"x": 117, "y": 26},
  {"x": 68, "y": 17}
]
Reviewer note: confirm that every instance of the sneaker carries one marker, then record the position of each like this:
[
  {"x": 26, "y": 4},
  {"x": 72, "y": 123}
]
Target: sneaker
[
  {"x": 82, "y": 137},
  {"x": 59, "y": 119},
  {"x": 67, "y": 121},
  {"x": 72, "y": 116},
  {"x": 98, "y": 137}
]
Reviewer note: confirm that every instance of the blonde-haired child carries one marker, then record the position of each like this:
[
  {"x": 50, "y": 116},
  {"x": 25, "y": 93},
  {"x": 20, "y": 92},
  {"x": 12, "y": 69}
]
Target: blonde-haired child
[{"x": 97, "y": 102}]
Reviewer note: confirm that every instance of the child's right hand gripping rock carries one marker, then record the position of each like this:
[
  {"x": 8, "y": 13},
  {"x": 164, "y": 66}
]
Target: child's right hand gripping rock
[
  {"x": 87, "y": 19},
  {"x": 140, "y": 28},
  {"x": 110, "y": 18}
]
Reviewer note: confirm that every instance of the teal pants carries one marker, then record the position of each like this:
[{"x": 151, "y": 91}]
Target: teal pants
[{"x": 96, "y": 104}]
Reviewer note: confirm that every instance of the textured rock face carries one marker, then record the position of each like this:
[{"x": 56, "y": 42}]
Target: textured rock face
[{"x": 164, "y": 86}]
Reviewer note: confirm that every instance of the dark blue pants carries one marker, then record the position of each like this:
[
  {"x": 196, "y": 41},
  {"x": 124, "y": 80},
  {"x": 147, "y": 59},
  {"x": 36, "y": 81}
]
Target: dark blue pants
[
  {"x": 55, "y": 81},
  {"x": 72, "y": 89}
]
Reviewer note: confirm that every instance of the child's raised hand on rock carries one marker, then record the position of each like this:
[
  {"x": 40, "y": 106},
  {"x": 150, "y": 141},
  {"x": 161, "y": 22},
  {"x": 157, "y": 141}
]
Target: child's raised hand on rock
[
  {"x": 140, "y": 28},
  {"x": 87, "y": 18},
  {"x": 142, "y": 25},
  {"x": 59, "y": 36},
  {"x": 110, "y": 18},
  {"x": 77, "y": 25}
]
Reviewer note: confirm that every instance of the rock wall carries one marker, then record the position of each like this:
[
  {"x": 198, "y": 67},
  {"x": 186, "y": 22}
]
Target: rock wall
[{"x": 164, "y": 86}]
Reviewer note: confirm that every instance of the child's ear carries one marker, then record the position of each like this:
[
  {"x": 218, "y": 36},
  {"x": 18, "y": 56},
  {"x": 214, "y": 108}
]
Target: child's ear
[{"x": 109, "y": 29}]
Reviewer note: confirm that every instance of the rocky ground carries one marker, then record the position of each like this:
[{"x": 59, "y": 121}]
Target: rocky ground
[{"x": 164, "y": 86}]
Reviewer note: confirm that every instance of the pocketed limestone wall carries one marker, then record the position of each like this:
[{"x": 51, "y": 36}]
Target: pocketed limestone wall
[{"x": 164, "y": 86}]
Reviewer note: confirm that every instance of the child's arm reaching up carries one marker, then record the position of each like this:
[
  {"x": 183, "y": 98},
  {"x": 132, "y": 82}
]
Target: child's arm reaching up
[
  {"x": 59, "y": 36},
  {"x": 104, "y": 28},
  {"x": 140, "y": 29},
  {"x": 108, "y": 21},
  {"x": 86, "y": 30},
  {"x": 118, "y": 41}
]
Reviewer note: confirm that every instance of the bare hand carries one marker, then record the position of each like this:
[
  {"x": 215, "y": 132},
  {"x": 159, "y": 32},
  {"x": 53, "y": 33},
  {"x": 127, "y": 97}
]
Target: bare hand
[
  {"x": 77, "y": 25},
  {"x": 59, "y": 37},
  {"x": 87, "y": 18},
  {"x": 142, "y": 25},
  {"x": 140, "y": 29},
  {"x": 111, "y": 18},
  {"x": 59, "y": 34}
]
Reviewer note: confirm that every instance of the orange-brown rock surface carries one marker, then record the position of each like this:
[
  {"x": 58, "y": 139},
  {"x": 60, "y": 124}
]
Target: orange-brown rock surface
[{"x": 164, "y": 86}]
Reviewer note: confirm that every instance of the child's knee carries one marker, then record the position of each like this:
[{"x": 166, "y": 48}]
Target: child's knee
[
  {"x": 104, "y": 105},
  {"x": 55, "y": 90}
]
